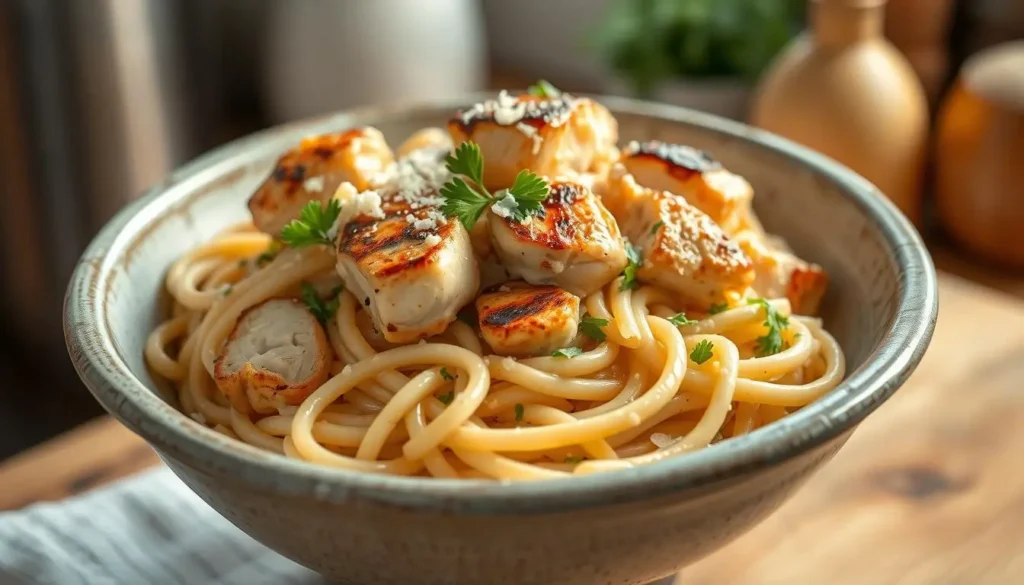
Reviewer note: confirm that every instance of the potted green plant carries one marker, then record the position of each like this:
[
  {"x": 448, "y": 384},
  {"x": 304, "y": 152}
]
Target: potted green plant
[{"x": 704, "y": 54}]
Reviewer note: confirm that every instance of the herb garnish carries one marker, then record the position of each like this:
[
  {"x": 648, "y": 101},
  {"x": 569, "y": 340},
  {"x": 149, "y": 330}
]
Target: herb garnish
[
  {"x": 322, "y": 309},
  {"x": 268, "y": 255},
  {"x": 573, "y": 460},
  {"x": 680, "y": 320},
  {"x": 629, "y": 273},
  {"x": 520, "y": 410},
  {"x": 447, "y": 397},
  {"x": 544, "y": 89},
  {"x": 567, "y": 352},
  {"x": 313, "y": 225},
  {"x": 445, "y": 374},
  {"x": 718, "y": 308},
  {"x": 702, "y": 351},
  {"x": 772, "y": 342},
  {"x": 468, "y": 200},
  {"x": 591, "y": 327},
  {"x": 655, "y": 227}
]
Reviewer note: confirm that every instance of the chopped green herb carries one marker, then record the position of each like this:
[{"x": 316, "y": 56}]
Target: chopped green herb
[
  {"x": 520, "y": 410},
  {"x": 702, "y": 351},
  {"x": 243, "y": 263},
  {"x": 322, "y": 309},
  {"x": 268, "y": 256},
  {"x": 567, "y": 352},
  {"x": 591, "y": 327},
  {"x": 467, "y": 201},
  {"x": 227, "y": 290},
  {"x": 771, "y": 343},
  {"x": 529, "y": 192},
  {"x": 635, "y": 260},
  {"x": 446, "y": 374},
  {"x": 313, "y": 225},
  {"x": 573, "y": 460},
  {"x": 544, "y": 89},
  {"x": 656, "y": 227},
  {"x": 447, "y": 397},
  {"x": 718, "y": 308},
  {"x": 680, "y": 319}
]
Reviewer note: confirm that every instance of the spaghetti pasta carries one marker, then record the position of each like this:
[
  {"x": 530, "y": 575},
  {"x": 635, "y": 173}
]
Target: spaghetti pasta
[{"x": 657, "y": 373}]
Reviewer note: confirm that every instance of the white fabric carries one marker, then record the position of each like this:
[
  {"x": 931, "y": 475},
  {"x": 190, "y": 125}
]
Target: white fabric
[{"x": 146, "y": 529}]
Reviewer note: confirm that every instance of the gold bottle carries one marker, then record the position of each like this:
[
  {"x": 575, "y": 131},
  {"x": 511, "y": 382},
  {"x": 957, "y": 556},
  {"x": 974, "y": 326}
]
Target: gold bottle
[{"x": 842, "y": 89}]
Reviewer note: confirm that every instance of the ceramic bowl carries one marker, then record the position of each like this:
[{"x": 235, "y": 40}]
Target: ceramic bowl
[{"x": 629, "y": 526}]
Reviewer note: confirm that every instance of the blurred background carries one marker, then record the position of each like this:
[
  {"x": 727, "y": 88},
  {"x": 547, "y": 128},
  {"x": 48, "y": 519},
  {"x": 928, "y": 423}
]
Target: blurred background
[{"x": 100, "y": 99}]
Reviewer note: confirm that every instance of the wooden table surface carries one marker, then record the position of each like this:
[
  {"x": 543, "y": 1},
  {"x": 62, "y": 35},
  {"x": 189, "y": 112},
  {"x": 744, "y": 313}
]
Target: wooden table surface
[{"x": 929, "y": 491}]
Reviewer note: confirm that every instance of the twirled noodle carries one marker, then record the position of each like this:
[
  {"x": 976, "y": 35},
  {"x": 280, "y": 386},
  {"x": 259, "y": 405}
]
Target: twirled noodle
[{"x": 631, "y": 399}]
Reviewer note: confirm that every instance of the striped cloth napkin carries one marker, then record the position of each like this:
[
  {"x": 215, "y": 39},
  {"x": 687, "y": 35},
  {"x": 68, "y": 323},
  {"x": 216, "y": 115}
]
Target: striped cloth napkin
[{"x": 149, "y": 529}]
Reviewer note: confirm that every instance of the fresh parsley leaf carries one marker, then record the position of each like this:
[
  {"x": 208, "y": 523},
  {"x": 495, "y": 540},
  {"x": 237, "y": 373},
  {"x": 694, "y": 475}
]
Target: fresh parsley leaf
[
  {"x": 227, "y": 290},
  {"x": 567, "y": 352},
  {"x": 702, "y": 351},
  {"x": 544, "y": 89},
  {"x": 446, "y": 374},
  {"x": 529, "y": 187},
  {"x": 680, "y": 319},
  {"x": 464, "y": 202},
  {"x": 573, "y": 460},
  {"x": 656, "y": 227},
  {"x": 591, "y": 327},
  {"x": 635, "y": 260},
  {"x": 447, "y": 397},
  {"x": 520, "y": 409},
  {"x": 322, "y": 309},
  {"x": 527, "y": 193},
  {"x": 770, "y": 343},
  {"x": 468, "y": 200},
  {"x": 718, "y": 308},
  {"x": 467, "y": 160},
  {"x": 313, "y": 224}
]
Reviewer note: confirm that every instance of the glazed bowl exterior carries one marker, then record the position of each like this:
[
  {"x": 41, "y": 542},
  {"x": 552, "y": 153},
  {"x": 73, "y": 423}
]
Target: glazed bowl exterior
[{"x": 629, "y": 526}]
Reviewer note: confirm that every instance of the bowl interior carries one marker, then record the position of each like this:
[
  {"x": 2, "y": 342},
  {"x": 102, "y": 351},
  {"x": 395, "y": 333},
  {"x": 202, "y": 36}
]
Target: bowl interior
[{"x": 826, "y": 213}]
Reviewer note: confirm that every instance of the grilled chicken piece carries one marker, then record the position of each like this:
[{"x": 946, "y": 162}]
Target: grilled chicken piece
[
  {"x": 434, "y": 140},
  {"x": 519, "y": 319},
  {"x": 682, "y": 248},
  {"x": 549, "y": 136},
  {"x": 700, "y": 179},
  {"x": 412, "y": 270},
  {"x": 277, "y": 355},
  {"x": 313, "y": 170},
  {"x": 575, "y": 243},
  {"x": 781, "y": 273}
]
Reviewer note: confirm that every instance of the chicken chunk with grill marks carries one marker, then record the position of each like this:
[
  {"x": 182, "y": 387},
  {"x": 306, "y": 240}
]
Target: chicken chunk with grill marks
[
  {"x": 682, "y": 249},
  {"x": 313, "y": 170},
  {"x": 412, "y": 269},
  {"x": 574, "y": 243},
  {"x": 276, "y": 356},
  {"x": 520, "y": 319},
  {"x": 550, "y": 136},
  {"x": 693, "y": 174}
]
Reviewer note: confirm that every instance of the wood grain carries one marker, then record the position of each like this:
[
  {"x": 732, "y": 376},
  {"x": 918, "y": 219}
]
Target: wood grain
[
  {"x": 929, "y": 491},
  {"x": 98, "y": 452}
]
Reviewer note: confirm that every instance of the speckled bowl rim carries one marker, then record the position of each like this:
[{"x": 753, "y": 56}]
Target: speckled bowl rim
[{"x": 97, "y": 361}]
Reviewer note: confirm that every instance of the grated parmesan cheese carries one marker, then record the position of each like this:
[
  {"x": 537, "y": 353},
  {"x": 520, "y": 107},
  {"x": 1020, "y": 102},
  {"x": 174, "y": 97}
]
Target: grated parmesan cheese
[
  {"x": 661, "y": 440},
  {"x": 432, "y": 240},
  {"x": 314, "y": 184},
  {"x": 506, "y": 206}
]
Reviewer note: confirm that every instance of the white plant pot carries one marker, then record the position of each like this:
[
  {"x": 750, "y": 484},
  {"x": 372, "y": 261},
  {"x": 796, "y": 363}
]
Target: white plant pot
[{"x": 729, "y": 98}]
